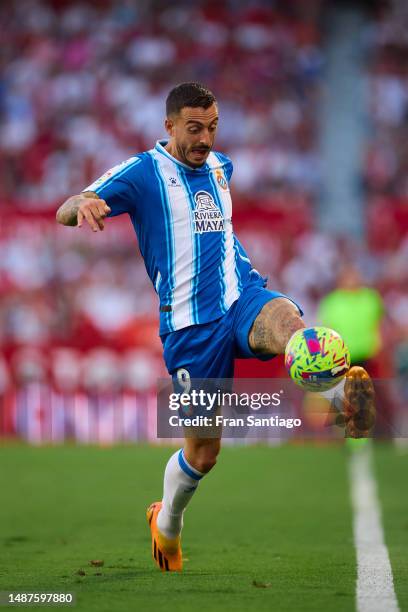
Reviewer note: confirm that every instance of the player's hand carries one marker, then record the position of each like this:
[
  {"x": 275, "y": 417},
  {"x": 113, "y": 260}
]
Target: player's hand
[{"x": 93, "y": 210}]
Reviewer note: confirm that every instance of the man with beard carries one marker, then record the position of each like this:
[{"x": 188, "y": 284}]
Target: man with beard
[{"x": 213, "y": 305}]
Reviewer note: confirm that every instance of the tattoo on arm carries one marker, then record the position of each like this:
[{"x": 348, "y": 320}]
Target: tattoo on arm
[{"x": 67, "y": 213}]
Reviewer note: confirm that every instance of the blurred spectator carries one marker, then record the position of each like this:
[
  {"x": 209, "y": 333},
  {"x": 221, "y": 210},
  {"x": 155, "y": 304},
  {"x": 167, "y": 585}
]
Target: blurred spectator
[
  {"x": 355, "y": 311},
  {"x": 75, "y": 100},
  {"x": 386, "y": 161},
  {"x": 401, "y": 362}
]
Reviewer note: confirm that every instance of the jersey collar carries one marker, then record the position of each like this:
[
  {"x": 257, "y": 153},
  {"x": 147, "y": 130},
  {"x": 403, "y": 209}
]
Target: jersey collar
[{"x": 160, "y": 144}]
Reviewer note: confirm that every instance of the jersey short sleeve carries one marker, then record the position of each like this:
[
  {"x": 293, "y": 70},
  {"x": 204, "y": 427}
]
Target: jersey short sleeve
[{"x": 120, "y": 187}]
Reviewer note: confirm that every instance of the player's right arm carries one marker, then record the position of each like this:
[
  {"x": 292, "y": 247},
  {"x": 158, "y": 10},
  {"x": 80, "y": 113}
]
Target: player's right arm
[
  {"x": 86, "y": 206},
  {"x": 117, "y": 191}
]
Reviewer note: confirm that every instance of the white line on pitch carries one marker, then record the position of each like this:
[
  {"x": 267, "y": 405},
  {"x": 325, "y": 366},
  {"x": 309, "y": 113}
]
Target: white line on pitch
[{"x": 375, "y": 585}]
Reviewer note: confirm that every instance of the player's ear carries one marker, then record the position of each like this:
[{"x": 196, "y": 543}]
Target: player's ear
[{"x": 169, "y": 125}]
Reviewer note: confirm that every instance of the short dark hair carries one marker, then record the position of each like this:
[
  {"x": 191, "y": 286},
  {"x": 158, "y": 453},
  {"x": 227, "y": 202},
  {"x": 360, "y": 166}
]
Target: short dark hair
[{"x": 188, "y": 94}]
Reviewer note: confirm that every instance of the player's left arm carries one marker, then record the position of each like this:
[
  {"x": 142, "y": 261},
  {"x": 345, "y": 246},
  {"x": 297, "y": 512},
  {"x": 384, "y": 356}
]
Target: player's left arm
[{"x": 279, "y": 318}]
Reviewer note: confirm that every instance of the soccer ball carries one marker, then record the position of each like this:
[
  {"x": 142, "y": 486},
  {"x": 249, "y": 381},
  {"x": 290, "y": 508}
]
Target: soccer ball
[{"x": 316, "y": 358}]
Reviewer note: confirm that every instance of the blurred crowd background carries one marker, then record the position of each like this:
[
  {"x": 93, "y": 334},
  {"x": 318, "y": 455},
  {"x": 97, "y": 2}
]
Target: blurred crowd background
[{"x": 82, "y": 87}]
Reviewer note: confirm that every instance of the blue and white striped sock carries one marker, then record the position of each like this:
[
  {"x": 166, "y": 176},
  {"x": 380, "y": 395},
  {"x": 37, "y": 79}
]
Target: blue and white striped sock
[{"x": 180, "y": 483}]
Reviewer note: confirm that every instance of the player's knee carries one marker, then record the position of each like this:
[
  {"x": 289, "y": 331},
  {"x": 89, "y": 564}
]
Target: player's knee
[
  {"x": 203, "y": 457},
  {"x": 206, "y": 463}
]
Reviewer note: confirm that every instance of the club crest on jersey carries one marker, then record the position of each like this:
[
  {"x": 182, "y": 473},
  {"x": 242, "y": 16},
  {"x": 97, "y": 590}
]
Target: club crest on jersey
[
  {"x": 221, "y": 179},
  {"x": 207, "y": 215}
]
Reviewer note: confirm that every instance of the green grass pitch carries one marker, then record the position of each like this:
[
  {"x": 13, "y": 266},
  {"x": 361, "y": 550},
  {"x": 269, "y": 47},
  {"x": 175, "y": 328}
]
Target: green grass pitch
[{"x": 269, "y": 529}]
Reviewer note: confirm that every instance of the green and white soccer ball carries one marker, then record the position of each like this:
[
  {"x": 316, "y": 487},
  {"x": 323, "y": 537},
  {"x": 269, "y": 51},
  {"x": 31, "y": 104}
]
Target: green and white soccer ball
[{"x": 317, "y": 358}]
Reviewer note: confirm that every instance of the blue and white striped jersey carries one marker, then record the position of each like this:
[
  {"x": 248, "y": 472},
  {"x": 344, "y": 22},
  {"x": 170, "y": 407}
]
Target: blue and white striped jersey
[{"x": 182, "y": 219}]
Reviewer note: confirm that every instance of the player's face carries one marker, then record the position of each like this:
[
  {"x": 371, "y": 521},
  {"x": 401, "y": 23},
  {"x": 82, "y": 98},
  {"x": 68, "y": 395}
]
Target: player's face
[{"x": 192, "y": 134}]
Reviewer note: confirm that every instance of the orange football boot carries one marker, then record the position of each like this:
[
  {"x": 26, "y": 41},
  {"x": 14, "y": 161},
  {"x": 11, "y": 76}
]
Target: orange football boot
[
  {"x": 166, "y": 553},
  {"x": 359, "y": 403}
]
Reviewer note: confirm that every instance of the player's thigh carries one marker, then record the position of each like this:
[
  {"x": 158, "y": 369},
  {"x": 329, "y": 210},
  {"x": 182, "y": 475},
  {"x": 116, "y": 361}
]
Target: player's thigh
[
  {"x": 257, "y": 310},
  {"x": 273, "y": 326}
]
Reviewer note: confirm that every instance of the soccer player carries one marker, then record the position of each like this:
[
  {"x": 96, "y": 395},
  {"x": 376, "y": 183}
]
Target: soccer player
[{"x": 213, "y": 305}]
